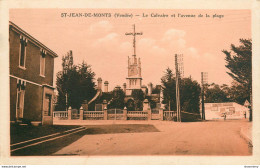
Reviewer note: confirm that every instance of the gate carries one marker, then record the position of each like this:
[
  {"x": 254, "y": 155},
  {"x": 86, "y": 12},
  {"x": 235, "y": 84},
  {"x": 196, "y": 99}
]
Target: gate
[
  {"x": 155, "y": 114},
  {"x": 115, "y": 114},
  {"x": 74, "y": 114}
]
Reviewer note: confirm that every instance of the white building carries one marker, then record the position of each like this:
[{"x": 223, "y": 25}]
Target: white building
[{"x": 231, "y": 109}]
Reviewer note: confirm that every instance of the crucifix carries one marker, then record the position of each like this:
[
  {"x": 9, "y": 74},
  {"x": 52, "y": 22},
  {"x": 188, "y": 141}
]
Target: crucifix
[{"x": 134, "y": 34}]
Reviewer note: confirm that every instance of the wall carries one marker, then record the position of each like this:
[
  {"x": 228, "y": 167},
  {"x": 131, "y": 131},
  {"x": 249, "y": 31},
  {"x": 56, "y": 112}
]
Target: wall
[
  {"x": 32, "y": 63},
  {"x": 232, "y": 110}
]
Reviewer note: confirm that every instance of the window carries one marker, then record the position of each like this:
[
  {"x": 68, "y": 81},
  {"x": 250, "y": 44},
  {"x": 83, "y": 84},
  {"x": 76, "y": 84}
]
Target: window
[
  {"x": 22, "y": 54},
  {"x": 42, "y": 63}
]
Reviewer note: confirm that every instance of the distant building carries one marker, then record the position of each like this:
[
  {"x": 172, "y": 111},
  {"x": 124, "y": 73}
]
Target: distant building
[
  {"x": 231, "y": 109},
  {"x": 31, "y": 78}
]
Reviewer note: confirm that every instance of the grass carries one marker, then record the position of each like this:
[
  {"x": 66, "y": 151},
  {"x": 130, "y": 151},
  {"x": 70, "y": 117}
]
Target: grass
[
  {"x": 21, "y": 133},
  {"x": 120, "y": 128}
]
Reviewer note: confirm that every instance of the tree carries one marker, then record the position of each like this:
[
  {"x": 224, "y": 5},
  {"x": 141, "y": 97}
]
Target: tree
[
  {"x": 239, "y": 63},
  {"x": 216, "y": 94},
  {"x": 138, "y": 96},
  {"x": 189, "y": 93},
  {"x": 74, "y": 82},
  {"x": 169, "y": 92},
  {"x": 117, "y": 100},
  {"x": 238, "y": 93}
]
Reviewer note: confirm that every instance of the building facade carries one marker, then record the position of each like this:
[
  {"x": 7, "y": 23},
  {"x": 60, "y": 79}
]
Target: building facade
[
  {"x": 231, "y": 109},
  {"x": 31, "y": 78}
]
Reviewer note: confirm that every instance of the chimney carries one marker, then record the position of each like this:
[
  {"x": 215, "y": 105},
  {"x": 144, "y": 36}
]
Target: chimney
[
  {"x": 150, "y": 87},
  {"x": 106, "y": 86},
  {"x": 99, "y": 86},
  {"x": 124, "y": 87}
]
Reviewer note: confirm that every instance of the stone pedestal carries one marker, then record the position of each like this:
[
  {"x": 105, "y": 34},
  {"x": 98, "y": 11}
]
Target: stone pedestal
[
  {"x": 105, "y": 113},
  {"x": 161, "y": 114},
  {"x": 81, "y": 113},
  {"x": 149, "y": 117},
  {"x": 125, "y": 114},
  {"x": 69, "y": 113}
]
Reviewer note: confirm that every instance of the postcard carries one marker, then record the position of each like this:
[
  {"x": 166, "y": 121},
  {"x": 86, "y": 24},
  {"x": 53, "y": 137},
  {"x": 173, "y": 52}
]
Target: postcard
[{"x": 130, "y": 82}]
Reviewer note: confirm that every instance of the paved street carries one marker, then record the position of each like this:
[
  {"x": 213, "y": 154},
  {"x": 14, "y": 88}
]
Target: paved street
[{"x": 194, "y": 138}]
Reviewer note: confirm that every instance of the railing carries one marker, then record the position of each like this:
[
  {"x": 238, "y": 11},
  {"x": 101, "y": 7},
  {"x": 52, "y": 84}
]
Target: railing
[
  {"x": 93, "y": 115},
  {"x": 137, "y": 115},
  {"x": 169, "y": 115},
  {"x": 61, "y": 115}
]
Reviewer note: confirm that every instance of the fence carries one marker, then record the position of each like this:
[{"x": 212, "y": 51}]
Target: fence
[
  {"x": 62, "y": 115},
  {"x": 137, "y": 115},
  {"x": 119, "y": 114},
  {"x": 93, "y": 115},
  {"x": 115, "y": 114},
  {"x": 170, "y": 115}
]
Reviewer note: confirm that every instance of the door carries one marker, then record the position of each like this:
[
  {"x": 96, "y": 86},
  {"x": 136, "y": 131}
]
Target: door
[
  {"x": 47, "y": 105},
  {"x": 20, "y": 104}
]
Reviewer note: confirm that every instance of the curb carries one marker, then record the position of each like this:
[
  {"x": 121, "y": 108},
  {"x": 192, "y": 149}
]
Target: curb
[{"x": 244, "y": 134}]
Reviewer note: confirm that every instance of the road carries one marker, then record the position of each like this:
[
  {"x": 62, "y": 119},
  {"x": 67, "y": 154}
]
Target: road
[{"x": 220, "y": 138}]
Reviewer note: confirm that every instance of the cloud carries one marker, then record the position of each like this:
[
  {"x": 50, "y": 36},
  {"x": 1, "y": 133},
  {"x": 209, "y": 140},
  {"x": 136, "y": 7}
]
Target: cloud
[
  {"x": 174, "y": 39},
  {"x": 100, "y": 27},
  {"x": 110, "y": 38}
]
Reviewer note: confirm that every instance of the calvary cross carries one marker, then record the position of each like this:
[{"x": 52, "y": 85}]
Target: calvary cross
[{"x": 134, "y": 34}]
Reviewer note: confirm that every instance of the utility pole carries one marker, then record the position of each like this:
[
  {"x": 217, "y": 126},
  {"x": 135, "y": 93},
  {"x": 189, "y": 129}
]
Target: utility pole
[
  {"x": 204, "y": 80},
  {"x": 179, "y": 73},
  {"x": 134, "y": 41}
]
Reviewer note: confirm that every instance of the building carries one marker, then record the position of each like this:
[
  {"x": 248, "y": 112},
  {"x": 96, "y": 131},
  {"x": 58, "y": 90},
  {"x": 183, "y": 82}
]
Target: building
[
  {"x": 231, "y": 109},
  {"x": 31, "y": 78}
]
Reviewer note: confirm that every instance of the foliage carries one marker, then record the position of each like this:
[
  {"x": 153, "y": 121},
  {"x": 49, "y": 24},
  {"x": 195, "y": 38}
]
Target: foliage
[
  {"x": 117, "y": 101},
  {"x": 216, "y": 94},
  {"x": 169, "y": 89},
  {"x": 238, "y": 93},
  {"x": 239, "y": 63},
  {"x": 138, "y": 96},
  {"x": 130, "y": 105},
  {"x": 189, "y": 93},
  {"x": 76, "y": 81},
  {"x": 156, "y": 89}
]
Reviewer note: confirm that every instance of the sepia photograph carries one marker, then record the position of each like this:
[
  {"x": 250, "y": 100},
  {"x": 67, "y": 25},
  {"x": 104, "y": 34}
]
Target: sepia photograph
[
  {"x": 130, "y": 82},
  {"x": 164, "y": 82}
]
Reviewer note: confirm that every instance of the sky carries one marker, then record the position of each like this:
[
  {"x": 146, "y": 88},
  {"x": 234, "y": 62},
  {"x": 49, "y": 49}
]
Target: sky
[{"x": 102, "y": 43}]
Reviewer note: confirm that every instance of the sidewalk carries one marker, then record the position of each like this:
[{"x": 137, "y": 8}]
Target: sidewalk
[{"x": 246, "y": 133}]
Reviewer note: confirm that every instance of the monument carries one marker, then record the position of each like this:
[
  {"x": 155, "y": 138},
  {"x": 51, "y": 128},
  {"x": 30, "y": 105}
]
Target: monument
[{"x": 134, "y": 77}]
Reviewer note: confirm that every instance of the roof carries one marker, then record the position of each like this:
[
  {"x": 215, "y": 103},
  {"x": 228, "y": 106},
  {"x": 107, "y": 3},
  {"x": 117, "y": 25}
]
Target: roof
[{"x": 32, "y": 39}]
